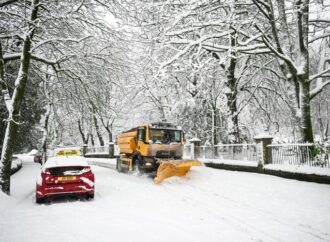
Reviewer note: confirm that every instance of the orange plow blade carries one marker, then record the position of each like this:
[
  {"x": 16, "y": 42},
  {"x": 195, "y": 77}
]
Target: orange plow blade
[{"x": 174, "y": 168}]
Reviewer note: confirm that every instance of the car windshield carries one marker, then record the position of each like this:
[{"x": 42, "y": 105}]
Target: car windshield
[{"x": 164, "y": 136}]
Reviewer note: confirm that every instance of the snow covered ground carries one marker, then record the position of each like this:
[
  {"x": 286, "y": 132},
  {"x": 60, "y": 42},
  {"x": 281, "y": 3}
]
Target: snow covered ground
[{"x": 206, "y": 205}]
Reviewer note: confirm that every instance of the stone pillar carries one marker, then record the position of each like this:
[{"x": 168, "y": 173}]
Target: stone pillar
[
  {"x": 84, "y": 149},
  {"x": 264, "y": 153},
  {"x": 111, "y": 149},
  {"x": 195, "y": 150}
]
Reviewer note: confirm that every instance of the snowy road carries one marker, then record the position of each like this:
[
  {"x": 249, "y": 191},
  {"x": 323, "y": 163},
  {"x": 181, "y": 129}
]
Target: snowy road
[{"x": 207, "y": 205}]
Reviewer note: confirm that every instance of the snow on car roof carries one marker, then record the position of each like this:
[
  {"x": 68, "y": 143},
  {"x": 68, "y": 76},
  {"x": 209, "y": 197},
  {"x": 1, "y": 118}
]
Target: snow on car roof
[{"x": 65, "y": 161}]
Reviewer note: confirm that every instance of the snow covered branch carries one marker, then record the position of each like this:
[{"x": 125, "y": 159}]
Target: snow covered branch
[
  {"x": 6, "y": 2},
  {"x": 17, "y": 56},
  {"x": 319, "y": 20},
  {"x": 312, "y": 78},
  {"x": 55, "y": 40},
  {"x": 326, "y": 35},
  {"x": 313, "y": 93}
]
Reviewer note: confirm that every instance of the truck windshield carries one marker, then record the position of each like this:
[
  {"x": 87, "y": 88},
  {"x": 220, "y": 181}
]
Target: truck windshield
[{"x": 164, "y": 136}]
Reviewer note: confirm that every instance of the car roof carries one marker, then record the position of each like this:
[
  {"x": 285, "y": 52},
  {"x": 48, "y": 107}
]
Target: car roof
[{"x": 60, "y": 161}]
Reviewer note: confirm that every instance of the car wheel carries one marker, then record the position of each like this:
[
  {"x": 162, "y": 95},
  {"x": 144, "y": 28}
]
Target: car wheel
[
  {"x": 90, "y": 196},
  {"x": 40, "y": 200}
]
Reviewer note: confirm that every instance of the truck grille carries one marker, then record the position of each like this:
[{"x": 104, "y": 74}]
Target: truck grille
[{"x": 165, "y": 154}]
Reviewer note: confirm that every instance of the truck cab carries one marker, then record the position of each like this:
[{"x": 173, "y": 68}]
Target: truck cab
[{"x": 145, "y": 146}]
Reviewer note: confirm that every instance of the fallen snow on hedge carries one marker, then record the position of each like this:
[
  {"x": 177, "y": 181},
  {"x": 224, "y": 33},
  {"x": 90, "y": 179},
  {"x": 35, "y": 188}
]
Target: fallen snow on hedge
[
  {"x": 231, "y": 162},
  {"x": 304, "y": 169}
]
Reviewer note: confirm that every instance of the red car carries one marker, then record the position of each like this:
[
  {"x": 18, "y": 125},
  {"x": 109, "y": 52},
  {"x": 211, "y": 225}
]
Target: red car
[{"x": 62, "y": 176}]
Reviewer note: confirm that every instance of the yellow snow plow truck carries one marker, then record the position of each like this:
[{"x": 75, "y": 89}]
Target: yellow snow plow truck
[{"x": 153, "y": 148}]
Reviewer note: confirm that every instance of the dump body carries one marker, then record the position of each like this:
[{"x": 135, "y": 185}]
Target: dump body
[
  {"x": 152, "y": 146},
  {"x": 127, "y": 142}
]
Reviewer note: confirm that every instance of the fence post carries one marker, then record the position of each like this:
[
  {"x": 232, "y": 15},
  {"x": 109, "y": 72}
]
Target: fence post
[
  {"x": 245, "y": 152},
  {"x": 111, "y": 149},
  {"x": 84, "y": 149},
  {"x": 195, "y": 147},
  {"x": 264, "y": 153}
]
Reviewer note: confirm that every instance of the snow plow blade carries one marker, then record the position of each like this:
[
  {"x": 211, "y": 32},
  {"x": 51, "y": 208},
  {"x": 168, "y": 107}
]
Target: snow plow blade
[{"x": 174, "y": 168}]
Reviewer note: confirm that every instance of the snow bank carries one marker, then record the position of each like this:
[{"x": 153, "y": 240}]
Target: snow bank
[
  {"x": 304, "y": 169},
  {"x": 25, "y": 157},
  {"x": 231, "y": 162},
  {"x": 15, "y": 163},
  {"x": 104, "y": 162},
  {"x": 33, "y": 152}
]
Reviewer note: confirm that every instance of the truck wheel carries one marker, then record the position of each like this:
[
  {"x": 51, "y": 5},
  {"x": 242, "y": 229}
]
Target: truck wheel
[
  {"x": 139, "y": 165},
  {"x": 118, "y": 165}
]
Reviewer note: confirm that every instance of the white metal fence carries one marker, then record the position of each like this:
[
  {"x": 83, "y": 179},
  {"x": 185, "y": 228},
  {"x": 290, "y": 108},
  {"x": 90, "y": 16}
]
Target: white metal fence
[
  {"x": 223, "y": 152},
  {"x": 97, "y": 150},
  {"x": 101, "y": 150},
  {"x": 290, "y": 154},
  {"x": 299, "y": 154},
  {"x": 229, "y": 152}
]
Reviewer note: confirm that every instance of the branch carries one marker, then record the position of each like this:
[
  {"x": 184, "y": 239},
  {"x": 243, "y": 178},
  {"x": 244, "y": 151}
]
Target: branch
[
  {"x": 313, "y": 93},
  {"x": 60, "y": 40},
  {"x": 319, "y": 37},
  {"x": 301, "y": 18},
  {"x": 258, "y": 4},
  {"x": 318, "y": 75},
  {"x": 17, "y": 56},
  {"x": 6, "y": 2},
  {"x": 270, "y": 90},
  {"x": 319, "y": 21}
]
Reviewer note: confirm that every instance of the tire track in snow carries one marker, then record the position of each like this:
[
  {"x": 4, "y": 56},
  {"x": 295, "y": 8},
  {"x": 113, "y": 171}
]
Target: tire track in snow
[
  {"x": 269, "y": 214},
  {"x": 236, "y": 220}
]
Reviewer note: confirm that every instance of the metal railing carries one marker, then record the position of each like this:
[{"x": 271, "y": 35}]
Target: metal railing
[
  {"x": 243, "y": 152},
  {"x": 97, "y": 150},
  {"x": 298, "y": 154}
]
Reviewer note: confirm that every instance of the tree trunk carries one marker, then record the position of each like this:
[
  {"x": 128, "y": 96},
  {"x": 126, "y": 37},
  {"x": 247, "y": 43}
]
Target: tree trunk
[
  {"x": 98, "y": 131},
  {"x": 108, "y": 129},
  {"x": 18, "y": 95},
  {"x": 91, "y": 136},
  {"x": 83, "y": 136},
  {"x": 7, "y": 153},
  {"x": 45, "y": 133},
  {"x": 231, "y": 94},
  {"x": 305, "y": 124}
]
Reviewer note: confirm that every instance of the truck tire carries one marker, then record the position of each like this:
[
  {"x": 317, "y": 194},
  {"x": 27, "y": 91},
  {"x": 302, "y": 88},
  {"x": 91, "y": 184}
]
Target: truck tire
[
  {"x": 139, "y": 165},
  {"x": 118, "y": 165}
]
